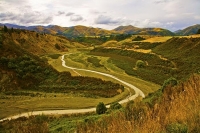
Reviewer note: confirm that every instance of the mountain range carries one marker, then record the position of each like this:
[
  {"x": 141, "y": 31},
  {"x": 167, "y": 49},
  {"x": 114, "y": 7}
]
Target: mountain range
[{"x": 79, "y": 30}]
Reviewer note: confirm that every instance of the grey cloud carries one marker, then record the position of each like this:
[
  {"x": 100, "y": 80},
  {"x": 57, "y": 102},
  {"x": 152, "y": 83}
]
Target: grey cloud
[
  {"x": 76, "y": 18},
  {"x": 60, "y": 13},
  {"x": 70, "y": 14},
  {"x": 25, "y": 18},
  {"x": 161, "y": 1},
  {"x": 107, "y": 20}
]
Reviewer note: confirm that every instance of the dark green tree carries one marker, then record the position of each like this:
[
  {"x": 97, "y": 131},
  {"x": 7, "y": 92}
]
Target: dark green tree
[
  {"x": 101, "y": 108},
  {"x": 5, "y": 29}
]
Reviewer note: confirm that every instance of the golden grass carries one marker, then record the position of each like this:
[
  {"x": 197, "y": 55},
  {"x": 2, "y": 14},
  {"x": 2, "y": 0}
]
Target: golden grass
[
  {"x": 111, "y": 43},
  {"x": 179, "y": 104},
  {"x": 158, "y": 39}
]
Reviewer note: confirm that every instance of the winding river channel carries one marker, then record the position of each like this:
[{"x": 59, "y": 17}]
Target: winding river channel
[{"x": 138, "y": 92}]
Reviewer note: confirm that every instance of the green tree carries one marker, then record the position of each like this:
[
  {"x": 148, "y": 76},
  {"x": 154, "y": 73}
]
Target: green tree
[
  {"x": 101, "y": 108},
  {"x": 5, "y": 28}
]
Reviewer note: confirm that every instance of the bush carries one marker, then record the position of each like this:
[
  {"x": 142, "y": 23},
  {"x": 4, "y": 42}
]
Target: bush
[
  {"x": 138, "y": 38},
  {"x": 115, "y": 106},
  {"x": 177, "y": 128},
  {"x": 140, "y": 64},
  {"x": 198, "y": 32},
  {"x": 101, "y": 108},
  {"x": 171, "y": 81},
  {"x": 57, "y": 46}
]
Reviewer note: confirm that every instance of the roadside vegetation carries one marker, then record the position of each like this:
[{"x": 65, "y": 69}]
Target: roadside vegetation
[{"x": 174, "y": 110}]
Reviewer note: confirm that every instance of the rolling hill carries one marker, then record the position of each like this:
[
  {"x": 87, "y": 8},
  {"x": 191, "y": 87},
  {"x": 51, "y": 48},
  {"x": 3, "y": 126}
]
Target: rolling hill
[
  {"x": 189, "y": 30},
  {"x": 143, "y": 31},
  {"x": 79, "y": 30},
  {"x": 69, "y": 32},
  {"x": 38, "y": 43},
  {"x": 22, "y": 69}
]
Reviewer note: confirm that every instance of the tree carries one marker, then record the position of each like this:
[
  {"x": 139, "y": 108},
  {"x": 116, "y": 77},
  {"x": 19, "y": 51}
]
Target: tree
[
  {"x": 101, "y": 108},
  {"x": 5, "y": 28},
  {"x": 198, "y": 32}
]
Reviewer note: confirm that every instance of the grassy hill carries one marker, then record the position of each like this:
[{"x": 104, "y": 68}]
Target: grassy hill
[
  {"x": 38, "y": 43},
  {"x": 143, "y": 31},
  {"x": 176, "y": 110},
  {"x": 177, "y": 57},
  {"x": 83, "y": 31},
  {"x": 189, "y": 30},
  {"x": 19, "y": 63},
  {"x": 184, "y": 52},
  {"x": 70, "y": 32},
  {"x": 127, "y": 29}
]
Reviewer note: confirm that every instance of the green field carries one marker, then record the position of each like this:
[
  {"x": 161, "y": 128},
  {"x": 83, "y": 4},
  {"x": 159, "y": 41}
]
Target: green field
[
  {"x": 26, "y": 101},
  {"x": 80, "y": 60}
]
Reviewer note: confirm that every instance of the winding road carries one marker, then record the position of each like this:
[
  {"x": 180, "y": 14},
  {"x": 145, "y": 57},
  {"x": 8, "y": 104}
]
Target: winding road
[{"x": 138, "y": 92}]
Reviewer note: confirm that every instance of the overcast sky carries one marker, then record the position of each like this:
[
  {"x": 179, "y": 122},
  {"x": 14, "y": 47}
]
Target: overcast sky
[{"x": 108, "y": 14}]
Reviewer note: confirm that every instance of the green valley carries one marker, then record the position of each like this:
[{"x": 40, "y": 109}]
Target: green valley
[{"x": 41, "y": 72}]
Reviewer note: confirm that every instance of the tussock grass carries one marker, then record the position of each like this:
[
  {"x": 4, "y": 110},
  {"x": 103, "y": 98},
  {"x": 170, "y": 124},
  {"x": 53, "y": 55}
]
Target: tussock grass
[{"x": 177, "y": 111}]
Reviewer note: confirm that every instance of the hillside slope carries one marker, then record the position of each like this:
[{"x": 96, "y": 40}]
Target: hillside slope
[
  {"x": 189, "y": 30},
  {"x": 79, "y": 30},
  {"x": 21, "y": 68},
  {"x": 37, "y": 43},
  {"x": 143, "y": 31},
  {"x": 175, "y": 110},
  {"x": 184, "y": 52}
]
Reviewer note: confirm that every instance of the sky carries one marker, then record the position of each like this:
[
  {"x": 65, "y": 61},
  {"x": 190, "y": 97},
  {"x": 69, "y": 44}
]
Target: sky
[{"x": 107, "y": 14}]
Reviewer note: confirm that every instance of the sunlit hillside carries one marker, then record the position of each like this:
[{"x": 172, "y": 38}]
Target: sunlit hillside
[
  {"x": 38, "y": 43},
  {"x": 175, "y": 110}
]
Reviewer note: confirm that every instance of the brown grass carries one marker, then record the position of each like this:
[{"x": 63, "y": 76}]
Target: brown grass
[{"x": 179, "y": 104}]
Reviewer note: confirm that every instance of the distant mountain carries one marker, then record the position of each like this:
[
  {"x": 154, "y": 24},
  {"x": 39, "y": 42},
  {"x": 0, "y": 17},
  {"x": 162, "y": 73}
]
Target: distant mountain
[
  {"x": 86, "y": 31},
  {"x": 143, "y": 31},
  {"x": 73, "y": 31},
  {"x": 189, "y": 30},
  {"x": 77, "y": 31},
  {"x": 127, "y": 29}
]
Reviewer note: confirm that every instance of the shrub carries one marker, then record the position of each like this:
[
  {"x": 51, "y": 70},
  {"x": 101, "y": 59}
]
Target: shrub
[
  {"x": 138, "y": 38},
  {"x": 177, "y": 128},
  {"x": 57, "y": 46},
  {"x": 171, "y": 81},
  {"x": 101, "y": 108},
  {"x": 198, "y": 32},
  {"x": 115, "y": 106},
  {"x": 140, "y": 64}
]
